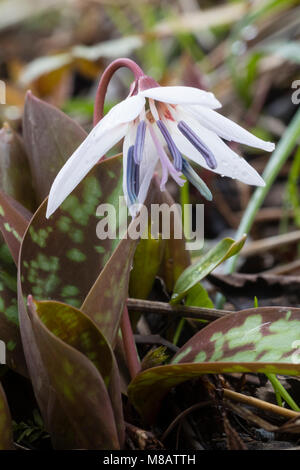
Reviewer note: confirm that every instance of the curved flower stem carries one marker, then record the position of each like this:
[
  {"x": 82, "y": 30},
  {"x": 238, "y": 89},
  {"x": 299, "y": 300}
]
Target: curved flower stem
[
  {"x": 279, "y": 157},
  {"x": 105, "y": 79},
  {"x": 131, "y": 354}
]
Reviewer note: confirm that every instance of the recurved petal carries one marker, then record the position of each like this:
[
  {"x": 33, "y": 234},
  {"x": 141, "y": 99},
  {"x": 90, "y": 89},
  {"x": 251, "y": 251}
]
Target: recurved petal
[
  {"x": 182, "y": 95},
  {"x": 229, "y": 163},
  {"x": 148, "y": 165},
  {"x": 228, "y": 129},
  {"x": 108, "y": 132},
  {"x": 81, "y": 162}
]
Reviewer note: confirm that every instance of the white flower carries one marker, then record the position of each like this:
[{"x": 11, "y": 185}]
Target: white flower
[{"x": 179, "y": 122}]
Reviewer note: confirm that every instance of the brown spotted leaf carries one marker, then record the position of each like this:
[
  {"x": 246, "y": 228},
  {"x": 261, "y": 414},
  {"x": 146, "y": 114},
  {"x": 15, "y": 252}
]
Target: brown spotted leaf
[
  {"x": 6, "y": 435},
  {"x": 9, "y": 322},
  {"x": 105, "y": 301},
  {"x": 50, "y": 138},
  {"x": 77, "y": 330},
  {"x": 61, "y": 257},
  {"x": 262, "y": 340},
  {"x": 71, "y": 362},
  {"x": 14, "y": 220},
  {"x": 15, "y": 176}
]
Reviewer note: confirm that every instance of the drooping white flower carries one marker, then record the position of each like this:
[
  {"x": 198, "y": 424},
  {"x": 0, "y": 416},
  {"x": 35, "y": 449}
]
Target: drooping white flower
[{"x": 165, "y": 124}]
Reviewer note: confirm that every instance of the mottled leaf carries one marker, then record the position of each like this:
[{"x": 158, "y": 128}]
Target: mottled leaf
[
  {"x": 196, "y": 272},
  {"x": 146, "y": 262},
  {"x": 50, "y": 138},
  {"x": 15, "y": 176},
  {"x": 9, "y": 322},
  {"x": 74, "y": 380},
  {"x": 6, "y": 436},
  {"x": 61, "y": 257},
  {"x": 262, "y": 340},
  {"x": 198, "y": 297},
  {"x": 105, "y": 301},
  {"x": 77, "y": 330}
]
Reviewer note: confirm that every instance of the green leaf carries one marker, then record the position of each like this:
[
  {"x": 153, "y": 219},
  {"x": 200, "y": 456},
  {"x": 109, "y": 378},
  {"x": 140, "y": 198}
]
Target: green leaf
[
  {"x": 262, "y": 340},
  {"x": 176, "y": 258},
  {"x": 198, "y": 297},
  {"x": 196, "y": 272},
  {"x": 105, "y": 301},
  {"x": 146, "y": 262},
  {"x": 6, "y": 435},
  {"x": 72, "y": 394},
  {"x": 50, "y": 138},
  {"x": 14, "y": 220}
]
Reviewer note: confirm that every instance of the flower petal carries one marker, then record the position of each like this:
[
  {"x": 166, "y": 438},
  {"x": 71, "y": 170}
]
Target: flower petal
[
  {"x": 128, "y": 142},
  {"x": 148, "y": 165},
  {"x": 228, "y": 129},
  {"x": 182, "y": 95},
  {"x": 229, "y": 163},
  {"x": 108, "y": 132}
]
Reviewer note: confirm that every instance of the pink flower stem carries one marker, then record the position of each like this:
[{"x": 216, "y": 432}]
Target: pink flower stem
[
  {"x": 133, "y": 362},
  {"x": 105, "y": 79}
]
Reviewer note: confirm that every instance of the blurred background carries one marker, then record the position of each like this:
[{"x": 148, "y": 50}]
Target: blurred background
[{"x": 246, "y": 52}]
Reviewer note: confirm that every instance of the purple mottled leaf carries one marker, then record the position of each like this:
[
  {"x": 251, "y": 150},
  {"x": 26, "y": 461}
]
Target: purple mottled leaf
[
  {"x": 105, "y": 301},
  {"x": 261, "y": 340},
  {"x": 6, "y": 435},
  {"x": 13, "y": 223},
  {"x": 9, "y": 322},
  {"x": 69, "y": 360},
  {"x": 50, "y": 138},
  {"x": 61, "y": 257},
  {"x": 15, "y": 176},
  {"x": 77, "y": 330}
]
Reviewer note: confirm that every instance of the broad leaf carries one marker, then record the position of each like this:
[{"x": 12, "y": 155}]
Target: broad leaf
[
  {"x": 50, "y": 138},
  {"x": 105, "y": 301},
  {"x": 65, "y": 338},
  {"x": 146, "y": 263},
  {"x": 9, "y": 322},
  {"x": 14, "y": 220},
  {"x": 196, "y": 272},
  {"x": 261, "y": 340},
  {"x": 6, "y": 435},
  {"x": 77, "y": 330},
  {"x": 198, "y": 297},
  {"x": 61, "y": 257},
  {"x": 15, "y": 176},
  {"x": 176, "y": 258}
]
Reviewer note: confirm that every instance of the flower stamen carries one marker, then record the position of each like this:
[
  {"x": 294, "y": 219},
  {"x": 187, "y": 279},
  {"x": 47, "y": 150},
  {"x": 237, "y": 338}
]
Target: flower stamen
[
  {"x": 195, "y": 180},
  {"x": 198, "y": 144},
  {"x": 132, "y": 176},
  {"x": 176, "y": 155},
  {"x": 139, "y": 142},
  {"x": 166, "y": 165}
]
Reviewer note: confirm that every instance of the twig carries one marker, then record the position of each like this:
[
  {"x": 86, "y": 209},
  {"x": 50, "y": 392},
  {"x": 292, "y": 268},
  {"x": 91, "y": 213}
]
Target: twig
[
  {"x": 155, "y": 339},
  {"x": 270, "y": 243},
  {"x": 163, "y": 308},
  {"x": 251, "y": 401}
]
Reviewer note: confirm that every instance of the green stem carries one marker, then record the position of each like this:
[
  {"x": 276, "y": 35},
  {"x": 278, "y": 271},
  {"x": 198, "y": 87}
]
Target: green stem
[{"x": 281, "y": 391}]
